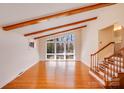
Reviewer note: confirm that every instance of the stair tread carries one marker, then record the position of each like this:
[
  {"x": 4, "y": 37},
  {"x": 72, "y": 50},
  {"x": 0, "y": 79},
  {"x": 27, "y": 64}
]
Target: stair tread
[
  {"x": 112, "y": 82},
  {"x": 109, "y": 74},
  {"x": 112, "y": 63},
  {"x": 102, "y": 70},
  {"x": 99, "y": 75},
  {"x": 104, "y": 65},
  {"x": 111, "y": 69},
  {"x": 115, "y": 60}
]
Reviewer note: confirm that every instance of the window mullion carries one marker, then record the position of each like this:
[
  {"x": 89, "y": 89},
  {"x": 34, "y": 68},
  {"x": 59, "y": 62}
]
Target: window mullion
[
  {"x": 64, "y": 51},
  {"x": 55, "y": 51}
]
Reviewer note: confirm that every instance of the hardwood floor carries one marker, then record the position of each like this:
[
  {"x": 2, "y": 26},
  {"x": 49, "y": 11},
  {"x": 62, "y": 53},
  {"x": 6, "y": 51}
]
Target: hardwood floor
[{"x": 55, "y": 75}]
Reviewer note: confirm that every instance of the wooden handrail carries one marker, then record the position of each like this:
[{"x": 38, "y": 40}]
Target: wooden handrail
[
  {"x": 94, "y": 60},
  {"x": 115, "y": 63},
  {"x": 121, "y": 49},
  {"x": 103, "y": 48},
  {"x": 115, "y": 53}
]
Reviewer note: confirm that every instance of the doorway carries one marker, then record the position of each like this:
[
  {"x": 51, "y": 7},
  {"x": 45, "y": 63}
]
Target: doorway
[
  {"x": 114, "y": 33},
  {"x": 106, "y": 36},
  {"x": 118, "y": 36}
]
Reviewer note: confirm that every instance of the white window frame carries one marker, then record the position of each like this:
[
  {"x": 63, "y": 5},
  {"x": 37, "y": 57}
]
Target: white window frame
[{"x": 55, "y": 54}]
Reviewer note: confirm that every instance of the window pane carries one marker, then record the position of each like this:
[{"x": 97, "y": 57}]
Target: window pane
[
  {"x": 57, "y": 39},
  {"x": 73, "y": 38},
  {"x": 60, "y": 57},
  {"x": 60, "y": 39},
  {"x": 59, "y": 47},
  {"x": 50, "y": 48},
  {"x": 69, "y": 47},
  {"x": 70, "y": 37},
  {"x": 69, "y": 56},
  {"x": 50, "y": 56}
]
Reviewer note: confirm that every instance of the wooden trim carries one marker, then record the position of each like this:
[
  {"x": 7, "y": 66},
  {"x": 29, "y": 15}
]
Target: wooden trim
[
  {"x": 57, "y": 27},
  {"x": 103, "y": 48},
  {"x": 65, "y": 13},
  {"x": 61, "y": 32}
]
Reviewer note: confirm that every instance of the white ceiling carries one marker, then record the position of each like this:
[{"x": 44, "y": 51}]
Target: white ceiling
[{"x": 14, "y": 13}]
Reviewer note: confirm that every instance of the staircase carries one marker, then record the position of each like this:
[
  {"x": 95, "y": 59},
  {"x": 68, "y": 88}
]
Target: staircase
[{"x": 110, "y": 71}]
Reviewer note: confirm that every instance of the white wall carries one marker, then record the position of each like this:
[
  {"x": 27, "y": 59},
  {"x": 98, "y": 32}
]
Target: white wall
[
  {"x": 15, "y": 56},
  {"x": 106, "y": 16},
  {"x": 106, "y": 36},
  {"x": 42, "y": 44}
]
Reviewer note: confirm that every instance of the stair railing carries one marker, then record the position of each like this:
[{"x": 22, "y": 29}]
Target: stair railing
[
  {"x": 117, "y": 60},
  {"x": 94, "y": 57}
]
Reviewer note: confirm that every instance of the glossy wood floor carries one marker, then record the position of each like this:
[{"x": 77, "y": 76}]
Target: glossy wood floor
[{"x": 55, "y": 75}]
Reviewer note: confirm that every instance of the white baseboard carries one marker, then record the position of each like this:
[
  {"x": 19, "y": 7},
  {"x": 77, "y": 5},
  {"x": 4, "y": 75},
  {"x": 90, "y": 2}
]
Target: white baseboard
[
  {"x": 17, "y": 75},
  {"x": 95, "y": 76}
]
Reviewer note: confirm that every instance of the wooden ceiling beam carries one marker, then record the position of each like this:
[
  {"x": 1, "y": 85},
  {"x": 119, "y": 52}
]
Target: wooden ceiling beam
[
  {"x": 65, "y": 13},
  {"x": 62, "y": 26},
  {"x": 61, "y": 32}
]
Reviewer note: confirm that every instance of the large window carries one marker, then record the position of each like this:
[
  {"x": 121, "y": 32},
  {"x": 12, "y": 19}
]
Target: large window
[{"x": 61, "y": 48}]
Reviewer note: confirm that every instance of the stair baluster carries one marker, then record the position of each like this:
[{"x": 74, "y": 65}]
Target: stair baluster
[
  {"x": 120, "y": 64},
  {"x": 111, "y": 67}
]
